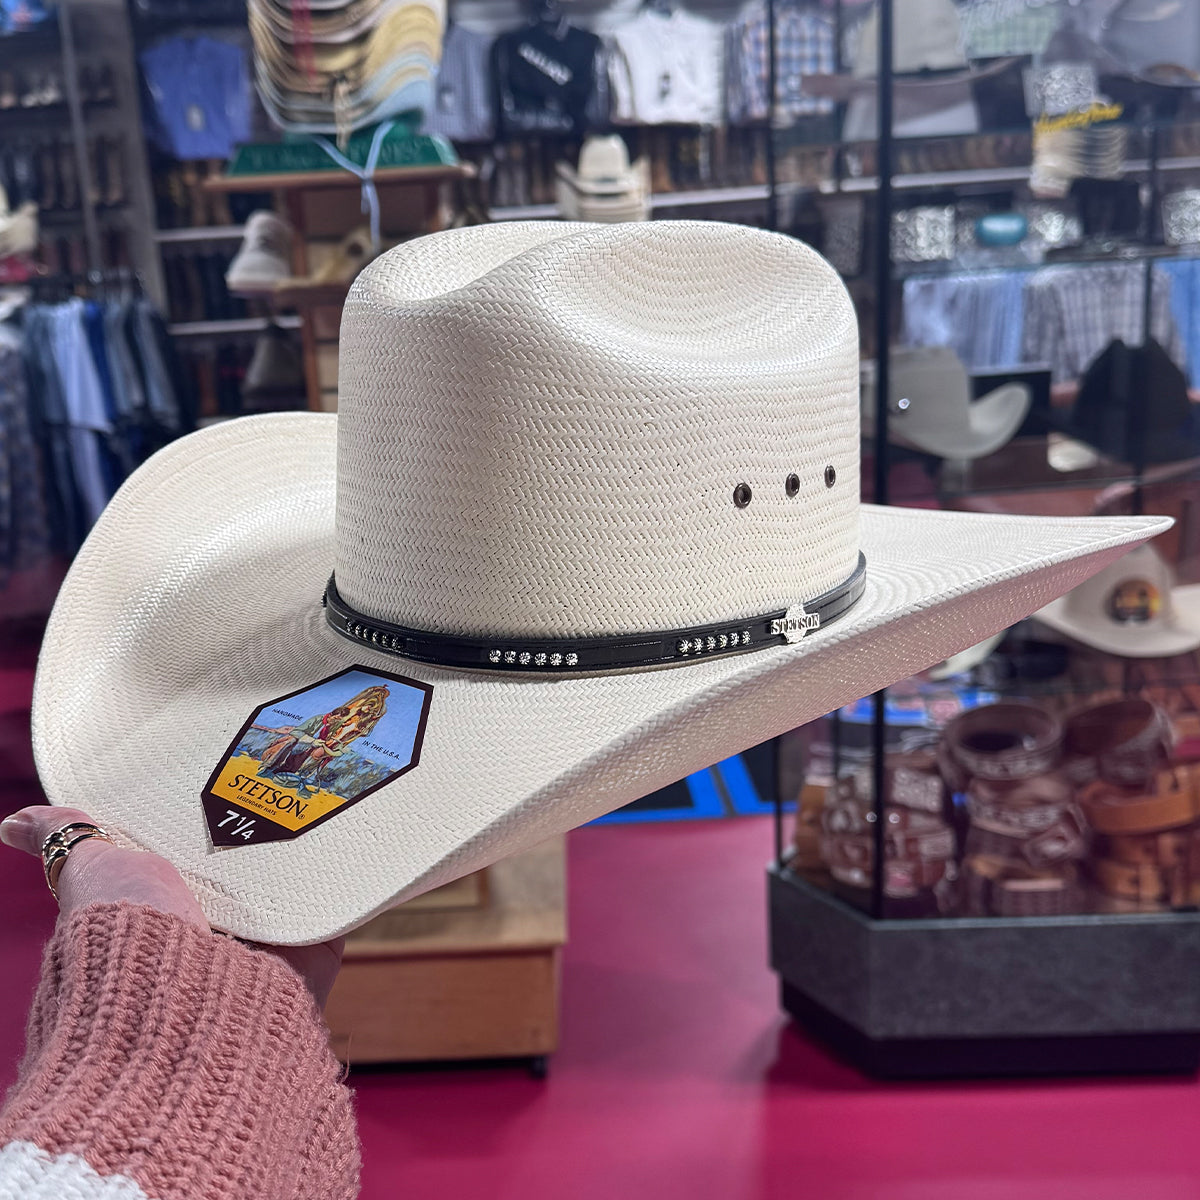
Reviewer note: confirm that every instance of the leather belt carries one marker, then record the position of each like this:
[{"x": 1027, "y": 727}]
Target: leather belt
[
  {"x": 1004, "y": 742},
  {"x": 1173, "y": 884},
  {"x": 1122, "y": 742},
  {"x": 912, "y": 780},
  {"x": 919, "y": 847},
  {"x": 848, "y": 835},
  {"x": 1010, "y": 889},
  {"x": 1064, "y": 839},
  {"x": 1174, "y": 801}
]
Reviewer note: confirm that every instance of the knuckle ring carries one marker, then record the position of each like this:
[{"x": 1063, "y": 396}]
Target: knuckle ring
[{"x": 57, "y": 847}]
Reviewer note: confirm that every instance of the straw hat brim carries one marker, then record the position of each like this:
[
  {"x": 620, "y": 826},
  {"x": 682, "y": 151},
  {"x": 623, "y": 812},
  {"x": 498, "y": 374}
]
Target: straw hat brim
[
  {"x": 990, "y": 424},
  {"x": 196, "y": 599}
]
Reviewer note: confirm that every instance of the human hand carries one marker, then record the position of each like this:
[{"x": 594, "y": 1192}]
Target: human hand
[{"x": 97, "y": 872}]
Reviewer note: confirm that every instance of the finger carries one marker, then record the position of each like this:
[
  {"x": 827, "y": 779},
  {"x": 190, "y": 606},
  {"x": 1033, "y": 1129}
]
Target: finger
[
  {"x": 30, "y": 827},
  {"x": 98, "y": 873}
]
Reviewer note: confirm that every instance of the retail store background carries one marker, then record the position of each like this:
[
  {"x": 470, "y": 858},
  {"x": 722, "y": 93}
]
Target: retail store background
[
  {"x": 678, "y": 1078},
  {"x": 678, "y": 1075}
]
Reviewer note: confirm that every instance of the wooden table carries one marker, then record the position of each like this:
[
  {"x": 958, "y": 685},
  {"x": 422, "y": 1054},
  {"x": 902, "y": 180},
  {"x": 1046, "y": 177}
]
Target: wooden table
[{"x": 479, "y": 982}]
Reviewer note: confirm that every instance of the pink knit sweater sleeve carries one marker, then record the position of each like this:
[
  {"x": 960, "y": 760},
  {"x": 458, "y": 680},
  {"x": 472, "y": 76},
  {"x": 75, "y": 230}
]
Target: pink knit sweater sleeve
[{"x": 165, "y": 1062}]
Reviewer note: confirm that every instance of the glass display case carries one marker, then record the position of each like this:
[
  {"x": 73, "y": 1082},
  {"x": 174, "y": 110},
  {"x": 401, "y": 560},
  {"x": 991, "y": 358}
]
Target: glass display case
[{"x": 995, "y": 866}]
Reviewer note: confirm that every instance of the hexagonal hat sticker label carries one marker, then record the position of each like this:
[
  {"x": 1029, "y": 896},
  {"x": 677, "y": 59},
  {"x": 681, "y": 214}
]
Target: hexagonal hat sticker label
[{"x": 302, "y": 759}]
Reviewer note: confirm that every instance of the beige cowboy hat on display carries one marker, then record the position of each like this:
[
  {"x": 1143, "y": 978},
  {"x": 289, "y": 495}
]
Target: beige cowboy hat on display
[
  {"x": 931, "y": 407},
  {"x": 1130, "y": 609},
  {"x": 606, "y": 188},
  {"x": 587, "y": 520}
]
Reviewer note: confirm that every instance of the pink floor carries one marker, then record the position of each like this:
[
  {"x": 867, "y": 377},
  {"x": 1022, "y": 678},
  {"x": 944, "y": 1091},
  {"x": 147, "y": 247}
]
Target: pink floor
[{"x": 677, "y": 1077}]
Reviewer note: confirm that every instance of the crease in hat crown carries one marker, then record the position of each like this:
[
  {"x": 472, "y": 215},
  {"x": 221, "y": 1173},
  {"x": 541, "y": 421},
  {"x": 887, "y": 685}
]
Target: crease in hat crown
[{"x": 541, "y": 428}]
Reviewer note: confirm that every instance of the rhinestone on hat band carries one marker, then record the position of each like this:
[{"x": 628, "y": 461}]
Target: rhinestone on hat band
[{"x": 618, "y": 652}]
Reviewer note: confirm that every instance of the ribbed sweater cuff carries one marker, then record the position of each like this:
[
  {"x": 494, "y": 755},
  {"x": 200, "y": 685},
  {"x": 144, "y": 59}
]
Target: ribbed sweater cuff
[{"x": 185, "y": 1060}]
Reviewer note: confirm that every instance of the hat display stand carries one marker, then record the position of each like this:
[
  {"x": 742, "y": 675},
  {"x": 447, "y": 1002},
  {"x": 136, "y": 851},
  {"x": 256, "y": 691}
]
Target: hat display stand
[
  {"x": 914, "y": 927},
  {"x": 324, "y": 206}
]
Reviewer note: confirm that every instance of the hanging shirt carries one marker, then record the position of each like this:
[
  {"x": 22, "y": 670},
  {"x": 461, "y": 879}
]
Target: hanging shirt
[
  {"x": 88, "y": 425},
  {"x": 804, "y": 45},
  {"x": 156, "y": 374},
  {"x": 980, "y": 315},
  {"x": 462, "y": 96},
  {"x": 48, "y": 418},
  {"x": 199, "y": 96},
  {"x": 666, "y": 69},
  {"x": 24, "y": 522},
  {"x": 1184, "y": 274},
  {"x": 1073, "y": 311},
  {"x": 546, "y": 79}
]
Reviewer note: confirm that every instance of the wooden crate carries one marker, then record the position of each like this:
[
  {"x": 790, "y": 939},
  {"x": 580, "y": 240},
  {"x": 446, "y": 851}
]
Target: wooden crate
[
  {"x": 479, "y": 982},
  {"x": 471, "y": 891}
]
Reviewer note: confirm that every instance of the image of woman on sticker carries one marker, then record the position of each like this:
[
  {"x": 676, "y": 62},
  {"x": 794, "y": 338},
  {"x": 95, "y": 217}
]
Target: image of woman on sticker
[{"x": 309, "y": 747}]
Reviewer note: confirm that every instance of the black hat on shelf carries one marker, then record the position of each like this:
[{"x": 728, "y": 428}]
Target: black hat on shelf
[{"x": 1133, "y": 406}]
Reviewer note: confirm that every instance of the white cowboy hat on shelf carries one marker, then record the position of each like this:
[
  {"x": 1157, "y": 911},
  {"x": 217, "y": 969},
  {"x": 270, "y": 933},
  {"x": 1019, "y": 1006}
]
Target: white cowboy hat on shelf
[
  {"x": 1131, "y": 609},
  {"x": 587, "y": 520},
  {"x": 606, "y": 188},
  {"x": 931, "y": 409}
]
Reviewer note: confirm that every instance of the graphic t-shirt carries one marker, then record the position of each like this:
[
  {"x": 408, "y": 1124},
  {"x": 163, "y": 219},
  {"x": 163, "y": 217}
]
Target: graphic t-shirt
[{"x": 545, "y": 78}]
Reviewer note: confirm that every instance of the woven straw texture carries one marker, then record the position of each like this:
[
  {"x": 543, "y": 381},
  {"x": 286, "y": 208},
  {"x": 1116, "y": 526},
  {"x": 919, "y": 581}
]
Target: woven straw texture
[
  {"x": 541, "y": 428},
  {"x": 197, "y": 597}
]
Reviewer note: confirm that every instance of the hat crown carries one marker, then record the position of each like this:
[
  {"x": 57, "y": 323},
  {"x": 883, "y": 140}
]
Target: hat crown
[
  {"x": 928, "y": 386},
  {"x": 542, "y": 428},
  {"x": 604, "y": 158}
]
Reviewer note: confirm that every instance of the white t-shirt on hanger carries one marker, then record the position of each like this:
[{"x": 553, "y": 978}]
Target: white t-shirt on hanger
[{"x": 666, "y": 69}]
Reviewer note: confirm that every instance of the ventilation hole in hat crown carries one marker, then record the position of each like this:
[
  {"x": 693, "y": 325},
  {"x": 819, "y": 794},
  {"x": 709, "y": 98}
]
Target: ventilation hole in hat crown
[
  {"x": 830, "y": 476},
  {"x": 792, "y": 486},
  {"x": 742, "y": 495}
]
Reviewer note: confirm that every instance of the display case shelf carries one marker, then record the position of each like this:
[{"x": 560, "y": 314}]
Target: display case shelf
[
  {"x": 234, "y": 326},
  {"x": 988, "y": 996},
  {"x": 693, "y": 198},
  {"x": 200, "y": 233},
  {"x": 335, "y": 177}
]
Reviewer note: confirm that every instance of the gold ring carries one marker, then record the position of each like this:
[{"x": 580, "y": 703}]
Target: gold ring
[{"x": 58, "y": 846}]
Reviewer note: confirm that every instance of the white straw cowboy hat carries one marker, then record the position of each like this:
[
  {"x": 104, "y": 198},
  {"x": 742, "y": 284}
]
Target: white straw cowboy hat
[
  {"x": 1130, "y": 609},
  {"x": 930, "y": 406},
  {"x": 606, "y": 188},
  {"x": 587, "y": 520}
]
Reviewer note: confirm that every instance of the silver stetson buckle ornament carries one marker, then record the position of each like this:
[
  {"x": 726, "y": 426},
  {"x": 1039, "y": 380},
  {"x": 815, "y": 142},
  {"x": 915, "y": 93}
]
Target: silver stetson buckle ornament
[{"x": 796, "y": 623}]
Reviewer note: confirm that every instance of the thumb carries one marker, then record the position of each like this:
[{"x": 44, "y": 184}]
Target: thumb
[{"x": 28, "y": 828}]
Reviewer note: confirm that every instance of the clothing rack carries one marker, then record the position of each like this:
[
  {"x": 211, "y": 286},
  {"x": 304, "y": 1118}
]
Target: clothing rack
[{"x": 97, "y": 284}]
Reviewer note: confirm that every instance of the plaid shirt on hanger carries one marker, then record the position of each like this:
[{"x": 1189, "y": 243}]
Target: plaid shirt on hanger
[
  {"x": 1073, "y": 311},
  {"x": 804, "y": 45}
]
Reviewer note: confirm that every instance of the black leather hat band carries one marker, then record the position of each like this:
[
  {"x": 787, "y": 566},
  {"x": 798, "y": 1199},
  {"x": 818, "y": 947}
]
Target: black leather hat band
[{"x": 620, "y": 651}]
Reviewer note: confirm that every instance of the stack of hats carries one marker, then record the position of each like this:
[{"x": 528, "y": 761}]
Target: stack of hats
[
  {"x": 336, "y": 67},
  {"x": 605, "y": 188}
]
